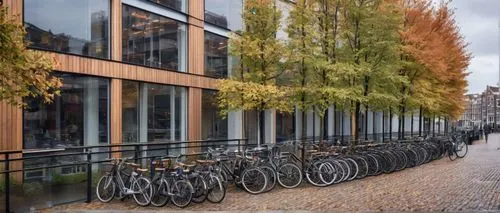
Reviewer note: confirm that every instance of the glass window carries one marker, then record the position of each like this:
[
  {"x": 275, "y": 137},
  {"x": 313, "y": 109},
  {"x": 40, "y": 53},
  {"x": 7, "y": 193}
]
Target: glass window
[
  {"x": 224, "y": 13},
  {"x": 78, "y": 27},
  {"x": 166, "y": 113},
  {"x": 285, "y": 127},
  {"x": 153, "y": 40},
  {"x": 179, "y": 5},
  {"x": 213, "y": 125},
  {"x": 78, "y": 117},
  {"x": 216, "y": 55},
  {"x": 130, "y": 112}
]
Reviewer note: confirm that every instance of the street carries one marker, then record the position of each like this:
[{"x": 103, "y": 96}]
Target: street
[{"x": 469, "y": 184}]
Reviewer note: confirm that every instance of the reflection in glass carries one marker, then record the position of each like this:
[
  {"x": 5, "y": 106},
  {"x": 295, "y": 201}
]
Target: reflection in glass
[
  {"x": 166, "y": 113},
  {"x": 79, "y": 27},
  {"x": 216, "y": 55},
  {"x": 79, "y": 116},
  {"x": 213, "y": 125},
  {"x": 224, "y": 13},
  {"x": 153, "y": 40},
  {"x": 285, "y": 127},
  {"x": 179, "y": 5},
  {"x": 130, "y": 111}
]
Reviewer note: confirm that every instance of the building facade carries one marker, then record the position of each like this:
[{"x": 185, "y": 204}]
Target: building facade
[
  {"x": 481, "y": 109},
  {"x": 145, "y": 71}
]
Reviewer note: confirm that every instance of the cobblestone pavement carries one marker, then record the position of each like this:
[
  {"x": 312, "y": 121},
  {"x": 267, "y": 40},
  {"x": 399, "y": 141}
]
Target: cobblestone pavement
[{"x": 469, "y": 184}]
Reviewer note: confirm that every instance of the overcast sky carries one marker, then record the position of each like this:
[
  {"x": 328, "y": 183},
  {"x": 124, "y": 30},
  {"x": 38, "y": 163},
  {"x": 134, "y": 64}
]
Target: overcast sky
[{"x": 479, "y": 23}]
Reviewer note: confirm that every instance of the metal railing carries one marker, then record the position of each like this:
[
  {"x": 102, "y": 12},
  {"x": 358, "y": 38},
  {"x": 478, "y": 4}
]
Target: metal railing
[{"x": 87, "y": 154}]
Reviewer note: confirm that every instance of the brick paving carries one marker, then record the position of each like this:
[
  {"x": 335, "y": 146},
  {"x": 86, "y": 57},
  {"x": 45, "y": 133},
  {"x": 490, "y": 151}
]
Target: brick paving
[{"x": 469, "y": 184}]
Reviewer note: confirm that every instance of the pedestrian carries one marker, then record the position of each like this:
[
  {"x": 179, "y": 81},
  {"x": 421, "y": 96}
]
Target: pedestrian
[{"x": 487, "y": 130}]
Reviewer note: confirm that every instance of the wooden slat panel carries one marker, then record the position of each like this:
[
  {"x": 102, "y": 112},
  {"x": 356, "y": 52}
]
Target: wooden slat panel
[
  {"x": 116, "y": 30},
  {"x": 194, "y": 115},
  {"x": 15, "y": 8},
  {"x": 116, "y": 114},
  {"x": 10, "y": 127},
  {"x": 113, "y": 69},
  {"x": 196, "y": 22},
  {"x": 197, "y": 9},
  {"x": 196, "y": 50}
]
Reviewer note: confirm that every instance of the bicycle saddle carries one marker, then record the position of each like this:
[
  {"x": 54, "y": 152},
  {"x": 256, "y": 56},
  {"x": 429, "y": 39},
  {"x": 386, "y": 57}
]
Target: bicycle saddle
[
  {"x": 133, "y": 165},
  {"x": 141, "y": 170}
]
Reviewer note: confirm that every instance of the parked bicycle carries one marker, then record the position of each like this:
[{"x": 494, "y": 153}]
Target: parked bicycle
[{"x": 126, "y": 184}]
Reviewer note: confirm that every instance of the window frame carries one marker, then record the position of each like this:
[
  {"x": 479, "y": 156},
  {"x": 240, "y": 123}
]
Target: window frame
[
  {"x": 185, "y": 59},
  {"x": 110, "y": 33}
]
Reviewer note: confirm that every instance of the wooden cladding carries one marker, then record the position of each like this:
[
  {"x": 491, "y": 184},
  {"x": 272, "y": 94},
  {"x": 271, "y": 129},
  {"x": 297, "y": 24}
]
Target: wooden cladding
[
  {"x": 196, "y": 50},
  {"x": 116, "y": 30},
  {"x": 194, "y": 116},
  {"x": 10, "y": 127},
  {"x": 15, "y": 8},
  {"x": 113, "y": 69},
  {"x": 197, "y": 9},
  {"x": 116, "y": 114}
]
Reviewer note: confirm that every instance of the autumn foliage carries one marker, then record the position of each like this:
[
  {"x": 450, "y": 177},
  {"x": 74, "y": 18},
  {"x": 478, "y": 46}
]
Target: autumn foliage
[
  {"x": 435, "y": 57},
  {"x": 382, "y": 55}
]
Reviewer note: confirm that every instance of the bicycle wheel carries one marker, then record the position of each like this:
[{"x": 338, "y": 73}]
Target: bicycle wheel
[
  {"x": 327, "y": 173},
  {"x": 354, "y": 168},
  {"x": 271, "y": 177},
  {"x": 254, "y": 180},
  {"x": 105, "y": 188},
  {"x": 182, "y": 193},
  {"x": 144, "y": 190},
  {"x": 217, "y": 191},
  {"x": 200, "y": 188},
  {"x": 451, "y": 153},
  {"x": 160, "y": 196},
  {"x": 289, "y": 175},
  {"x": 313, "y": 174},
  {"x": 461, "y": 149}
]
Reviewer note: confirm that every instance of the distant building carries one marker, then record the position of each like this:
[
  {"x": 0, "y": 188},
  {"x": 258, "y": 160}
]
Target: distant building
[{"x": 480, "y": 109}]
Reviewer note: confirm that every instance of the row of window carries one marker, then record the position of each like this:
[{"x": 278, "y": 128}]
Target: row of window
[
  {"x": 148, "y": 39},
  {"x": 80, "y": 115}
]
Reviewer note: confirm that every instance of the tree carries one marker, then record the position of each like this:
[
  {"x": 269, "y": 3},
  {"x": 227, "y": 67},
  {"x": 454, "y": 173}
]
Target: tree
[
  {"x": 435, "y": 60},
  {"x": 253, "y": 86},
  {"x": 302, "y": 48},
  {"x": 372, "y": 48},
  {"x": 23, "y": 73}
]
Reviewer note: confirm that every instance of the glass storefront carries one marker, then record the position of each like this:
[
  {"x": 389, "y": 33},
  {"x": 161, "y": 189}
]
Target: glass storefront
[
  {"x": 78, "y": 117},
  {"x": 153, "y": 112},
  {"x": 224, "y": 13},
  {"x": 152, "y": 40},
  {"x": 285, "y": 127},
  {"x": 130, "y": 111},
  {"x": 179, "y": 5},
  {"x": 213, "y": 127},
  {"x": 216, "y": 55},
  {"x": 78, "y": 27}
]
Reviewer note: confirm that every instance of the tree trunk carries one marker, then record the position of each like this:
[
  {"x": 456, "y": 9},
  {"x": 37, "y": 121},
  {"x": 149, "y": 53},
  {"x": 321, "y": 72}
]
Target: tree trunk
[
  {"x": 411, "y": 130},
  {"x": 383, "y": 126},
  {"x": 355, "y": 127},
  {"x": 390, "y": 124},
  {"x": 420, "y": 122},
  {"x": 258, "y": 128},
  {"x": 366, "y": 123},
  {"x": 433, "y": 125}
]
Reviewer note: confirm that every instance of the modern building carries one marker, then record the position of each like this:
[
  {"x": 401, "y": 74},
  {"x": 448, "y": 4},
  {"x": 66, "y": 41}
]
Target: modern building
[{"x": 143, "y": 71}]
